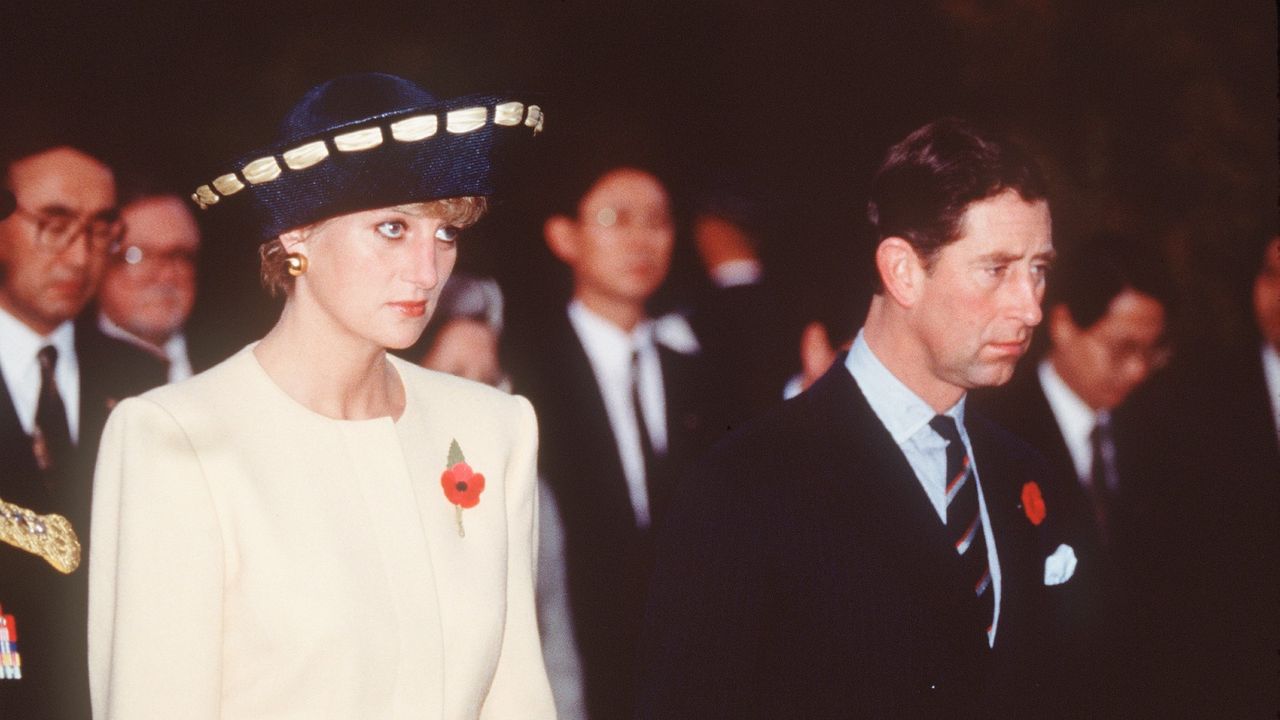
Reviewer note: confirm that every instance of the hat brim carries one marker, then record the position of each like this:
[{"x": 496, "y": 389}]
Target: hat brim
[{"x": 415, "y": 154}]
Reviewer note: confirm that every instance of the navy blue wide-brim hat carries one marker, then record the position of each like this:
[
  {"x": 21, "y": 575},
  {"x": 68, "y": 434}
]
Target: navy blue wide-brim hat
[{"x": 367, "y": 141}]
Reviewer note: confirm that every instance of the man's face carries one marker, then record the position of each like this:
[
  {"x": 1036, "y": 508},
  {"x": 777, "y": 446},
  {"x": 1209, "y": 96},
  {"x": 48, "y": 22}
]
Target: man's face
[
  {"x": 150, "y": 283},
  {"x": 43, "y": 286},
  {"x": 980, "y": 302},
  {"x": 466, "y": 348},
  {"x": 1107, "y": 361},
  {"x": 621, "y": 241},
  {"x": 1266, "y": 294}
]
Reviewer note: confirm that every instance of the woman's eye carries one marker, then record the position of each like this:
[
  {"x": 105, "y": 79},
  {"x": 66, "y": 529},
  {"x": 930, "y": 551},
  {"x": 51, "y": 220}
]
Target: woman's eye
[
  {"x": 391, "y": 229},
  {"x": 448, "y": 233}
]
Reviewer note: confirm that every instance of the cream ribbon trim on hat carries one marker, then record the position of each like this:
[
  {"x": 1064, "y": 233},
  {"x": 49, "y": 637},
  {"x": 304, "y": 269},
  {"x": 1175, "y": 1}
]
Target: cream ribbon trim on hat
[{"x": 411, "y": 129}]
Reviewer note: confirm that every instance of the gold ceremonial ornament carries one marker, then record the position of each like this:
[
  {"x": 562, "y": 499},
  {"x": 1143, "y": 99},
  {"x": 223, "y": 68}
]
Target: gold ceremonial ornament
[
  {"x": 297, "y": 264},
  {"x": 48, "y": 536}
]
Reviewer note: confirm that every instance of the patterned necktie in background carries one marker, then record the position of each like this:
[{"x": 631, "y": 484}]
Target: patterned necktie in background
[
  {"x": 651, "y": 460},
  {"x": 52, "y": 436},
  {"x": 964, "y": 521},
  {"x": 1103, "y": 479}
]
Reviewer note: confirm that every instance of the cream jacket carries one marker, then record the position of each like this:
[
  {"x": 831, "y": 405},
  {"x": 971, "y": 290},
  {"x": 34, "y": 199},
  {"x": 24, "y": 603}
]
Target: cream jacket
[{"x": 252, "y": 559}]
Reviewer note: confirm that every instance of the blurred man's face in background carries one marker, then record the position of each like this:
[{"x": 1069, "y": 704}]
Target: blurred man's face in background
[
  {"x": 54, "y": 246},
  {"x": 466, "y": 348},
  {"x": 1106, "y": 361},
  {"x": 620, "y": 244},
  {"x": 150, "y": 283}
]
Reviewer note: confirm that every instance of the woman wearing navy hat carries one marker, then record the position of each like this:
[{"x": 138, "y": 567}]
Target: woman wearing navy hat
[{"x": 314, "y": 528}]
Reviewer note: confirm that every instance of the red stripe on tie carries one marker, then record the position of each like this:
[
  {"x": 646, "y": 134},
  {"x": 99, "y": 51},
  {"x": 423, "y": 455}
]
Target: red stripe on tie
[
  {"x": 967, "y": 537},
  {"x": 983, "y": 583},
  {"x": 964, "y": 470}
]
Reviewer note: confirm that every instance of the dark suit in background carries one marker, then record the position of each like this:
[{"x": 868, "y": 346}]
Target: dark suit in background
[
  {"x": 1102, "y": 617},
  {"x": 608, "y": 557},
  {"x": 745, "y": 337},
  {"x": 49, "y": 607},
  {"x": 1218, "y": 570},
  {"x": 804, "y": 573}
]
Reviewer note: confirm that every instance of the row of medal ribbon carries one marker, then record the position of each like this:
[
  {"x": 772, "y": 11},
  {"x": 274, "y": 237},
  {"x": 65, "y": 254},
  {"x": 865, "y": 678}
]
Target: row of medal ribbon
[{"x": 10, "y": 659}]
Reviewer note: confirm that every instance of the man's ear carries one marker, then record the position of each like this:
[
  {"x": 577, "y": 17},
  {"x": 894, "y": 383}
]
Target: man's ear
[
  {"x": 561, "y": 236},
  {"x": 901, "y": 270},
  {"x": 1062, "y": 328}
]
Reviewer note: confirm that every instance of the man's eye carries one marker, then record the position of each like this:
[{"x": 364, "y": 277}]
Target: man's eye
[
  {"x": 448, "y": 233},
  {"x": 997, "y": 270},
  {"x": 391, "y": 229},
  {"x": 58, "y": 224}
]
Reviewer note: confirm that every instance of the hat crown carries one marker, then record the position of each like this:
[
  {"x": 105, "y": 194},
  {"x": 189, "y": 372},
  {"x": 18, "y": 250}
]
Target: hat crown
[{"x": 351, "y": 98}]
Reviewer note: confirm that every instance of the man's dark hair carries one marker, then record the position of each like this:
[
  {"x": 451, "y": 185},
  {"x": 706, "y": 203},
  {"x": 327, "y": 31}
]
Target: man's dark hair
[
  {"x": 587, "y": 157},
  {"x": 928, "y": 180},
  {"x": 1087, "y": 278},
  {"x": 29, "y": 129}
]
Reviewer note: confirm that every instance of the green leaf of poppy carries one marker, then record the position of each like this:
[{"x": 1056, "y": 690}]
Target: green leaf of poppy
[{"x": 455, "y": 454}]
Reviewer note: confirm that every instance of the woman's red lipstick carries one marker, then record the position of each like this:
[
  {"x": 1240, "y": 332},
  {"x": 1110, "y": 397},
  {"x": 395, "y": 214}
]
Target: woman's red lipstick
[{"x": 416, "y": 308}]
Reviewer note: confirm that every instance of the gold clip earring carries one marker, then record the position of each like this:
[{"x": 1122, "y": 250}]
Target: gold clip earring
[{"x": 296, "y": 263}]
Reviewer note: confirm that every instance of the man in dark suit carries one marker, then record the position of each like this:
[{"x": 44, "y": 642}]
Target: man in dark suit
[
  {"x": 60, "y": 379},
  {"x": 1218, "y": 580},
  {"x": 619, "y": 397},
  {"x": 872, "y": 549},
  {"x": 1106, "y": 311}
]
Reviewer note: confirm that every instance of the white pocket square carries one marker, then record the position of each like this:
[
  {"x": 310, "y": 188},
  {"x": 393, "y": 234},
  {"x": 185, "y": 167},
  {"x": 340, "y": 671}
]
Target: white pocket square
[{"x": 1060, "y": 566}]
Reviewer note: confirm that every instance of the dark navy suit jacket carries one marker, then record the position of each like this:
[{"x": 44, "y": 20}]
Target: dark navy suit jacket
[{"x": 804, "y": 573}]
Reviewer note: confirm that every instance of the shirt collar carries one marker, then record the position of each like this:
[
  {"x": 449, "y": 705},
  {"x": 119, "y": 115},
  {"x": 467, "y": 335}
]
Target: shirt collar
[
  {"x": 605, "y": 342},
  {"x": 1074, "y": 416},
  {"x": 901, "y": 411},
  {"x": 19, "y": 343}
]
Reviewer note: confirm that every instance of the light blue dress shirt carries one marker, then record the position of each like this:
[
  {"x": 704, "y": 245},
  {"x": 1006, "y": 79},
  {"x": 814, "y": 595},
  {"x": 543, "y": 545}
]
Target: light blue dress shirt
[{"x": 907, "y": 417}]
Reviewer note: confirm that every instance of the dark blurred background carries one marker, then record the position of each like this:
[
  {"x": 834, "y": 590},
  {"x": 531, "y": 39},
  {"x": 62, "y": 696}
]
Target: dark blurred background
[{"x": 1155, "y": 119}]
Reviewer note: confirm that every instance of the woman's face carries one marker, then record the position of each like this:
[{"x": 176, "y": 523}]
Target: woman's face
[{"x": 376, "y": 274}]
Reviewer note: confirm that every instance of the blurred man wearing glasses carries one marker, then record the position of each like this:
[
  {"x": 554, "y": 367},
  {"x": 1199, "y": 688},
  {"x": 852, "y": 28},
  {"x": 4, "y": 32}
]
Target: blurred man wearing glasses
[
  {"x": 150, "y": 283},
  {"x": 59, "y": 382},
  {"x": 1106, "y": 312}
]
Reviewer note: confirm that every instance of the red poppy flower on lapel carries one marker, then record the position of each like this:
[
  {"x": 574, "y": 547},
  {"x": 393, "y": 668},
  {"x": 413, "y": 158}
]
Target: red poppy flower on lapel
[
  {"x": 462, "y": 485},
  {"x": 1033, "y": 503}
]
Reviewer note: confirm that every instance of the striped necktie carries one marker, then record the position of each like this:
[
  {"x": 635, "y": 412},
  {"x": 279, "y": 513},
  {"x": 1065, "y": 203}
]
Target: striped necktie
[
  {"x": 964, "y": 521},
  {"x": 52, "y": 436}
]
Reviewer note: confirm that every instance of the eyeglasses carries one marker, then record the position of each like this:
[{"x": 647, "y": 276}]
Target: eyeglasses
[
  {"x": 138, "y": 260},
  {"x": 56, "y": 230},
  {"x": 610, "y": 217},
  {"x": 1118, "y": 353}
]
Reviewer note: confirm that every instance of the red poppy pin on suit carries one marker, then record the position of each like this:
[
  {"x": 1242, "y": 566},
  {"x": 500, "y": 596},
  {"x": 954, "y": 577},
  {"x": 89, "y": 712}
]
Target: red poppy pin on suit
[
  {"x": 1033, "y": 503},
  {"x": 462, "y": 485}
]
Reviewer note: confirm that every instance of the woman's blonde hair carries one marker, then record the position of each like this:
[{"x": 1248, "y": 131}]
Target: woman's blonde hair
[{"x": 274, "y": 269}]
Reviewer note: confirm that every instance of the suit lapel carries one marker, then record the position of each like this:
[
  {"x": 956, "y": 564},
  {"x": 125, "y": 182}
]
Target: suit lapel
[
  {"x": 580, "y": 451},
  {"x": 1042, "y": 423},
  {"x": 881, "y": 485},
  {"x": 1017, "y": 542},
  {"x": 686, "y": 423},
  {"x": 20, "y": 477}
]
